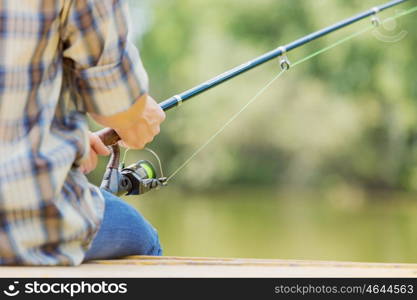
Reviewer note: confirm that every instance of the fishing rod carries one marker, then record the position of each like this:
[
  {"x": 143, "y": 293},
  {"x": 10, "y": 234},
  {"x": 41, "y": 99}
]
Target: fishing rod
[{"x": 141, "y": 176}]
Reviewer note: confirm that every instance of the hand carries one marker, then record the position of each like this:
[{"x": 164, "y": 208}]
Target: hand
[
  {"x": 145, "y": 128},
  {"x": 96, "y": 148}
]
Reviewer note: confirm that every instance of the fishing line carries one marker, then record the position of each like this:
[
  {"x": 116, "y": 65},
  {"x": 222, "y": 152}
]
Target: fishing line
[
  {"x": 158, "y": 159},
  {"x": 156, "y": 156},
  {"x": 262, "y": 90},
  {"x": 201, "y": 148},
  {"x": 356, "y": 34},
  {"x": 124, "y": 157}
]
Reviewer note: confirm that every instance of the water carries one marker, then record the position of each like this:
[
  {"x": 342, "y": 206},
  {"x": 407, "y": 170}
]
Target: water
[{"x": 333, "y": 225}]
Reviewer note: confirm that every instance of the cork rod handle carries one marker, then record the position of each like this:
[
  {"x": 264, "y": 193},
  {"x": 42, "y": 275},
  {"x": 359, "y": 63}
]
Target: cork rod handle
[{"x": 108, "y": 136}]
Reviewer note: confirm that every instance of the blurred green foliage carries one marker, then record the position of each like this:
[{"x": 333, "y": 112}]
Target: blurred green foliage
[
  {"x": 339, "y": 126},
  {"x": 347, "y": 116}
]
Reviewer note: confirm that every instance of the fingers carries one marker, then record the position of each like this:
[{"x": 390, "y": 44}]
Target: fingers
[
  {"x": 155, "y": 113},
  {"x": 93, "y": 161},
  {"x": 90, "y": 163},
  {"x": 139, "y": 136},
  {"x": 146, "y": 128},
  {"x": 98, "y": 146}
]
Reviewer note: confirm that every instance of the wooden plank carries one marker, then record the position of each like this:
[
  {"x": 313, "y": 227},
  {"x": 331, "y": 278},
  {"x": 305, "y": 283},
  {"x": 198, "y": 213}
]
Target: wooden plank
[{"x": 145, "y": 266}]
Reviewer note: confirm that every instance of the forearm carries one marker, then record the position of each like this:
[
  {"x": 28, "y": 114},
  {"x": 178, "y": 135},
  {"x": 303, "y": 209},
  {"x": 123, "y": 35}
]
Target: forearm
[
  {"x": 125, "y": 119},
  {"x": 138, "y": 125}
]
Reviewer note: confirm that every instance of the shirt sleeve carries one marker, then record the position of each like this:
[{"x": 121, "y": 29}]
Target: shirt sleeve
[{"x": 106, "y": 70}]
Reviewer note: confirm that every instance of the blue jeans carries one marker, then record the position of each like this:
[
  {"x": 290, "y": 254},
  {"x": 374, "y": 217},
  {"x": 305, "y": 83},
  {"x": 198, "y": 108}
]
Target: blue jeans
[{"x": 124, "y": 231}]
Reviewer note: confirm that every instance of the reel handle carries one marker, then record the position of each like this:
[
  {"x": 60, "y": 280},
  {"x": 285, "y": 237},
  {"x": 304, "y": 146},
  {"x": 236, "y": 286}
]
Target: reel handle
[{"x": 108, "y": 136}]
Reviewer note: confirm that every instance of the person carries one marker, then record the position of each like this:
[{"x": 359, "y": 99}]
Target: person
[{"x": 61, "y": 61}]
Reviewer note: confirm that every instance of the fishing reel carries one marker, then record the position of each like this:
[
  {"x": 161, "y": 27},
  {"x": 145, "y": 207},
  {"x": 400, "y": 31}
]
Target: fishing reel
[{"x": 136, "y": 179}]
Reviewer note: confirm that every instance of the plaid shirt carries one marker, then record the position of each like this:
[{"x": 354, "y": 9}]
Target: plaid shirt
[{"x": 59, "y": 59}]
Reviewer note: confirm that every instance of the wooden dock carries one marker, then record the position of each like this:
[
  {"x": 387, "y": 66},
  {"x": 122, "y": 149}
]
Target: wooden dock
[{"x": 145, "y": 266}]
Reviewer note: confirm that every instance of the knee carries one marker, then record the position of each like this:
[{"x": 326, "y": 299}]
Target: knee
[
  {"x": 125, "y": 231},
  {"x": 146, "y": 240},
  {"x": 155, "y": 248}
]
